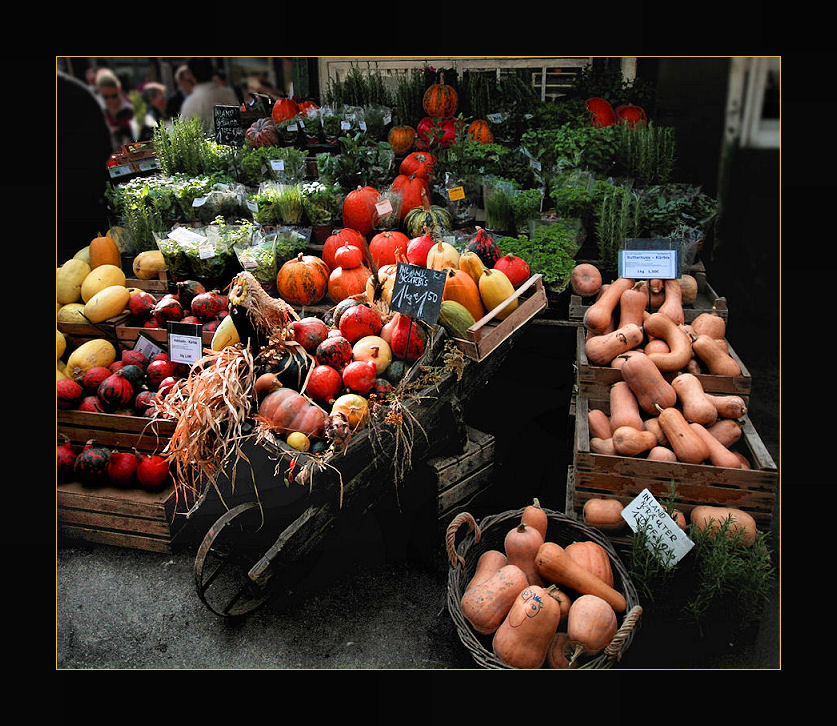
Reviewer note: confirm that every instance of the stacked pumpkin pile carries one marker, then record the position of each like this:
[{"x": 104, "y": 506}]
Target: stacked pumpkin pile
[
  {"x": 541, "y": 603},
  {"x": 650, "y": 416},
  {"x": 95, "y": 466},
  {"x": 192, "y": 303}
]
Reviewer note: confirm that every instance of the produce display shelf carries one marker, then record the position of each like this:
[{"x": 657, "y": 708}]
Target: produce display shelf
[
  {"x": 115, "y": 430},
  {"x": 752, "y": 490}
]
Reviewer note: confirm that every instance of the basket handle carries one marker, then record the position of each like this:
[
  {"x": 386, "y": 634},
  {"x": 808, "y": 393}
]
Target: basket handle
[
  {"x": 613, "y": 650},
  {"x": 450, "y": 535}
]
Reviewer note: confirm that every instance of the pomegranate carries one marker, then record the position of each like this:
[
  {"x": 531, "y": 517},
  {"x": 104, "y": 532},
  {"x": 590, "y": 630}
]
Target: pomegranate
[
  {"x": 122, "y": 469},
  {"x": 92, "y": 377},
  {"x": 418, "y": 248},
  {"x": 207, "y": 305},
  {"x": 134, "y": 357},
  {"x": 324, "y": 384},
  {"x": 152, "y": 472},
  {"x": 309, "y": 332},
  {"x": 115, "y": 391},
  {"x": 91, "y": 465},
  {"x": 359, "y": 376},
  {"x": 68, "y": 393},
  {"x": 407, "y": 339},
  {"x": 334, "y": 351},
  {"x": 66, "y": 456},
  {"x": 158, "y": 370},
  {"x": 141, "y": 303},
  {"x": 91, "y": 404},
  {"x": 359, "y": 321}
]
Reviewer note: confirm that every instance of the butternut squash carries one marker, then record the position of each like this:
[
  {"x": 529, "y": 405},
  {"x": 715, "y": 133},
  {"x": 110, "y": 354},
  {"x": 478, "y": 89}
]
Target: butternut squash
[
  {"x": 600, "y": 314},
  {"x": 471, "y": 263},
  {"x": 602, "y": 349},
  {"x": 523, "y": 638},
  {"x": 486, "y": 605},
  {"x": 661, "y": 453},
  {"x": 717, "y": 361},
  {"x": 683, "y": 440},
  {"x": 726, "y": 430},
  {"x": 653, "y": 425},
  {"x": 620, "y": 359},
  {"x": 729, "y": 406},
  {"x": 487, "y": 565},
  {"x": 696, "y": 406},
  {"x": 712, "y": 517},
  {"x": 604, "y": 513},
  {"x": 599, "y": 423},
  {"x": 557, "y": 567},
  {"x": 672, "y": 306},
  {"x": 711, "y": 324},
  {"x": 591, "y": 625},
  {"x": 688, "y": 288},
  {"x": 624, "y": 409},
  {"x": 559, "y": 651},
  {"x": 742, "y": 460},
  {"x": 629, "y": 441},
  {"x": 495, "y": 288},
  {"x": 521, "y": 545},
  {"x": 679, "y": 354},
  {"x": 603, "y": 446},
  {"x": 647, "y": 383},
  {"x": 719, "y": 455},
  {"x": 658, "y": 345},
  {"x": 592, "y": 556},
  {"x": 536, "y": 517},
  {"x": 632, "y": 304}
]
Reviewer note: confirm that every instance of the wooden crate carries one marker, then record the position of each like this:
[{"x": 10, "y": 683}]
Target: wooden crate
[
  {"x": 595, "y": 381},
  {"x": 487, "y": 333},
  {"x": 78, "y": 333},
  {"x": 623, "y": 477},
  {"x": 460, "y": 478},
  {"x": 127, "y": 335},
  {"x": 156, "y": 286},
  {"x": 130, "y": 518}
]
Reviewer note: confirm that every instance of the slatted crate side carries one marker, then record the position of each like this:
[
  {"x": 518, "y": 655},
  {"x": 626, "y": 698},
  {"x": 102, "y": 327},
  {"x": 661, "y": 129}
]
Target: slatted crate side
[
  {"x": 115, "y": 430},
  {"x": 127, "y": 335},
  {"x": 459, "y": 495},
  {"x": 752, "y": 490},
  {"x": 595, "y": 381}
]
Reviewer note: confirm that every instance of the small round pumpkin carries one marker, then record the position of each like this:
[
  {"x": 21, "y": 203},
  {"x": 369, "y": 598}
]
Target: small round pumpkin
[
  {"x": 303, "y": 280},
  {"x": 338, "y": 239},
  {"x": 479, "y": 130},
  {"x": 354, "y": 407},
  {"x": 440, "y": 99},
  {"x": 359, "y": 211},
  {"x": 284, "y": 109},
  {"x": 347, "y": 282},
  {"x": 385, "y": 246},
  {"x": 460, "y": 286},
  {"x": 401, "y": 138},
  {"x": 104, "y": 251}
]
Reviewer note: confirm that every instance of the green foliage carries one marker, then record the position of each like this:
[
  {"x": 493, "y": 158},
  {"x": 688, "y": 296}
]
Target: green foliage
[
  {"x": 618, "y": 218},
  {"x": 646, "y": 152},
  {"x": 409, "y": 94},
  {"x": 360, "y": 87},
  {"x": 253, "y": 164},
  {"x": 550, "y": 251},
  {"x": 361, "y": 162},
  {"x": 183, "y": 149},
  {"x": 666, "y": 207},
  {"x": 603, "y": 79}
]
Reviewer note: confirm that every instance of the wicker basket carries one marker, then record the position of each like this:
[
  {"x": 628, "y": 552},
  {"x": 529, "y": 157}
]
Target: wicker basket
[{"x": 489, "y": 534}]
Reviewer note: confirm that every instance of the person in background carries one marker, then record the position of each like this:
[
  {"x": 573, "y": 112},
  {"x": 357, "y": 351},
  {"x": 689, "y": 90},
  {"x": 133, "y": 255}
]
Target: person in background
[
  {"x": 185, "y": 82},
  {"x": 206, "y": 95},
  {"x": 83, "y": 148},
  {"x": 154, "y": 97},
  {"x": 117, "y": 108}
]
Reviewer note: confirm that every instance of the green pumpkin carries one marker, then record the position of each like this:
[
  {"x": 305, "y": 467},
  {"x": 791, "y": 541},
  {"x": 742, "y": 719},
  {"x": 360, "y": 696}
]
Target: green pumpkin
[
  {"x": 455, "y": 319},
  {"x": 395, "y": 371},
  {"x": 435, "y": 218}
]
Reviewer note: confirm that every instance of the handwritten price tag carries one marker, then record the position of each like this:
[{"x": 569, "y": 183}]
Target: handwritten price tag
[{"x": 662, "y": 533}]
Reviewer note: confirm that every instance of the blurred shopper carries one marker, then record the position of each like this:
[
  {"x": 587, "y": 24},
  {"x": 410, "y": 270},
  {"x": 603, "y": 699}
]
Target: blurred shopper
[
  {"x": 154, "y": 96},
  {"x": 185, "y": 82},
  {"x": 117, "y": 108},
  {"x": 84, "y": 145},
  {"x": 206, "y": 95}
]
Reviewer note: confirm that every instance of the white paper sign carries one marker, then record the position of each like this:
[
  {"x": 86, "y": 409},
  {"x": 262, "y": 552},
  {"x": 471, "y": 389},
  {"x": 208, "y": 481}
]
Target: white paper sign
[
  {"x": 185, "y": 347},
  {"x": 662, "y": 533},
  {"x": 277, "y": 164},
  {"x": 186, "y": 236},
  {"x": 147, "y": 347},
  {"x": 649, "y": 264},
  {"x": 383, "y": 207}
]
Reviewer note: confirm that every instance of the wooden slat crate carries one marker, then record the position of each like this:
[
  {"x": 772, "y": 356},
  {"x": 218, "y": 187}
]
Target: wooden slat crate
[
  {"x": 460, "y": 478},
  {"x": 156, "y": 286},
  {"x": 130, "y": 518},
  {"x": 594, "y": 381},
  {"x": 486, "y": 334},
  {"x": 127, "y": 335},
  {"x": 624, "y": 477},
  {"x": 78, "y": 333}
]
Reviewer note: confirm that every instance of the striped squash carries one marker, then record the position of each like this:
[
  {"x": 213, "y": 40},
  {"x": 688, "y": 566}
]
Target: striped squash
[{"x": 440, "y": 99}]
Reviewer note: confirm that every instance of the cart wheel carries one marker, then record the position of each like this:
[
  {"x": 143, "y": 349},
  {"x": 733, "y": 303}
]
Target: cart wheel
[{"x": 224, "y": 559}]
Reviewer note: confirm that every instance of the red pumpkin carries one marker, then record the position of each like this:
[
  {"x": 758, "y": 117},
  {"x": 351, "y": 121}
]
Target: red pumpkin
[
  {"x": 187, "y": 290},
  {"x": 122, "y": 469},
  {"x": 347, "y": 282},
  {"x": 631, "y": 115},
  {"x": 515, "y": 268},
  {"x": 262, "y": 132},
  {"x": 91, "y": 404},
  {"x": 306, "y": 106},
  {"x": 433, "y": 131},
  {"x": 303, "y": 280},
  {"x": 337, "y": 240},
  {"x": 603, "y": 113},
  {"x": 66, "y": 458},
  {"x": 440, "y": 99},
  {"x": 359, "y": 209},
  {"x": 335, "y": 351},
  {"x": 407, "y": 340},
  {"x": 309, "y": 332},
  {"x": 359, "y": 321},
  {"x": 141, "y": 303},
  {"x": 418, "y": 248},
  {"x": 152, "y": 472},
  {"x": 115, "y": 391},
  {"x": 284, "y": 109},
  {"x": 414, "y": 190},
  {"x": 385, "y": 247},
  {"x": 359, "y": 376},
  {"x": 324, "y": 384},
  {"x": 401, "y": 138},
  {"x": 167, "y": 308},
  {"x": 92, "y": 377},
  {"x": 143, "y": 402},
  {"x": 131, "y": 356},
  {"x": 91, "y": 464},
  {"x": 484, "y": 246},
  {"x": 348, "y": 256},
  {"x": 208, "y": 305},
  {"x": 479, "y": 130},
  {"x": 419, "y": 163},
  {"x": 158, "y": 370}
]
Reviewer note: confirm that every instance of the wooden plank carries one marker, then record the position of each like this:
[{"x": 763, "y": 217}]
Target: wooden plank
[
  {"x": 115, "y": 430},
  {"x": 123, "y": 502},
  {"x": 100, "y": 521},
  {"x": 465, "y": 488},
  {"x": 116, "y": 539},
  {"x": 129, "y": 334},
  {"x": 478, "y": 451}
]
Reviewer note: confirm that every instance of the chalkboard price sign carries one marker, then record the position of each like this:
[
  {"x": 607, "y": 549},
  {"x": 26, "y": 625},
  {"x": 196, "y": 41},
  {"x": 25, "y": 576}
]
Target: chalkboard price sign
[
  {"x": 228, "y": 130},
  {"x": 417, "y": 292}
]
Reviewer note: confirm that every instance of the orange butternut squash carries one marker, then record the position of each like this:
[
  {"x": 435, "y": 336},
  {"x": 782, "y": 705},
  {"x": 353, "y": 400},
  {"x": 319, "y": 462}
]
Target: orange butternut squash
[
  {"x": 658, "y": 345},
  {"x": 471, "y": 263},
  {"x": 487, "y": 565},
  {"x": 647, "y": 383},
  {"x": 717, "y": 361},
  {"x": 683, "y": 440},
  {"x": 602, "y": 349},
  {"x": 603, "y": 446},
  {"x": 558, "y": 655},
  {"x": 629, "y": 441},
  {"x": 688, "y": 288},
  {"x": 556, "y": 566},
  {"x": 600, "y": 314},
  {"x": 653, "y": 425},
  {"x": 712, "y": 517},
  {"x": 719, "y": 455},
  {"x": 534, "y": 516},
  {"x": 486, "y": 604},
  {"x": 620, "y": 359},
  {"x": 694, "y": 403},
  {"x": 672, "y": 306},
  {"x": 624, "y": 408},
  {"x": 726, "y": 430},
  {"x": 521, "y": 545},
  {"x": 632, "y": 304},
  {"x": 730, "y": 406},
  {"x": 104, "y": 251},
  {"x": 591, "y": 625},
  {"x": 742, "y": 460},
  {"x": 592, "y": 556},
  {"x": 523, "y": 638},
  {"x": 460, "y": 287},
  {"x": 661, "y": 453},
  {"x": 599, "y": 423},
  {"x": 679, "y": 344},
  {"x": 711, "y": 324},
  {"x": 604, "y": 513}
]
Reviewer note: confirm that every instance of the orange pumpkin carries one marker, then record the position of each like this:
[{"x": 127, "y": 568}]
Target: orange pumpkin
[
  {"x": 385, "y": 246},
  {"x": 303, "y": 280},
  {"x": 479, "y": 130},
  {"x": 347, "y": 282},
  {"x": 104, "y": 251},
  {"x": 283, "y": 109},
  {"x": 419, "y": 163},
  {"x": 287, "y": 411},
  {"x": 337, "y": 240},
  {"x": 440, "y": 99},
  {"x": 401, "y": 138},
  {"x": 359, "y": 209},
  {"x": 460, "y": 286}
]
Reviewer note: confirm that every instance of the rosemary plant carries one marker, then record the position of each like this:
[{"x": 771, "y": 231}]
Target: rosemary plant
[{"x": 618, "y": 218}]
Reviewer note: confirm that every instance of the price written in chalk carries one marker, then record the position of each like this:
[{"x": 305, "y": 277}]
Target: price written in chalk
[{"x": 417, "y": 292}]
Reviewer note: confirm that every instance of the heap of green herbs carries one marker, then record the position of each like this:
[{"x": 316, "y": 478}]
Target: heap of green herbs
[
  {"x": 549, "y": 250},
  {"x": 618, "y": 218}
]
